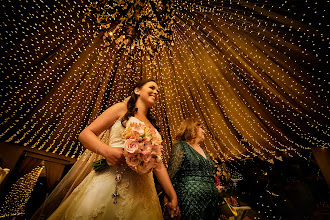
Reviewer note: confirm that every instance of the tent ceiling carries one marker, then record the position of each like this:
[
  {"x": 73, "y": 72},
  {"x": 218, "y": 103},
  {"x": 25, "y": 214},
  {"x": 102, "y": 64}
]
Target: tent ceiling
[{"x": 255, "y": 72}]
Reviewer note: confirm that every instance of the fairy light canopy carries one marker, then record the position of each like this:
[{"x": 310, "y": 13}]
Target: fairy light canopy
[
  {"x": 255, "y": 72},
  {"x": 139, "y": 27}
]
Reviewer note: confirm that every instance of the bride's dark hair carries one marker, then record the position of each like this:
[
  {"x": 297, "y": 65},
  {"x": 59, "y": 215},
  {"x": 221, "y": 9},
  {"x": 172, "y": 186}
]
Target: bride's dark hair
[{"x": 131, "y": 109}]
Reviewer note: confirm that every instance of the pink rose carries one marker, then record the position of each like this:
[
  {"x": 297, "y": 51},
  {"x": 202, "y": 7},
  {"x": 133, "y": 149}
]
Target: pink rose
[
  {"x": 145, "y": 151},
  {"x": 146, "y": 146},
  {"x": 146, "y": 156},
  {"x": 131, "y": 146},
  {"x": 146, "y": 167},
  {"x": 132, "y": 160},
  {"x": 137, "y": 127}
]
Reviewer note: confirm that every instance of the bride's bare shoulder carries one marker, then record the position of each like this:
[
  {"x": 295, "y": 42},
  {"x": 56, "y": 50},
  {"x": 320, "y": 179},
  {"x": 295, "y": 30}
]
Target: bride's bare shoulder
[
  {"x": 120, "y": 106},
  {"x": 118, "y": 109}
]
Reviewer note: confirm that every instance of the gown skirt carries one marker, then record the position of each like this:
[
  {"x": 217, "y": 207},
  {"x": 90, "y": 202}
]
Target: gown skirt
[{"x": 93, "y": 199}]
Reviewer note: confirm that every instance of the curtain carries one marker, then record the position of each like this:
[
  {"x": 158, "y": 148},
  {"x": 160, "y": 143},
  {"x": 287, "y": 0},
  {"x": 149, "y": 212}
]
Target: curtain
[{"x": 255, "y": 72}]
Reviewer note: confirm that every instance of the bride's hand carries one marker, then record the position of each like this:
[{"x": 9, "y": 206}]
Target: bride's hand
[
  {"x": 114, "y": 155},
  {"x": 174, "y": 209}
]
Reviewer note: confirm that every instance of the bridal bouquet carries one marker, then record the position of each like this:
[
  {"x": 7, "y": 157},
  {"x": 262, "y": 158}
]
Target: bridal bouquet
[{"x": 142, "y": 149}]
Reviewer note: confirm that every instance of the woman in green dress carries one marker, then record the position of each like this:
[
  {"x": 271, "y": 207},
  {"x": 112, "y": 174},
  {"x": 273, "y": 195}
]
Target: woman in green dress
[{"x": 191, "y": 173}]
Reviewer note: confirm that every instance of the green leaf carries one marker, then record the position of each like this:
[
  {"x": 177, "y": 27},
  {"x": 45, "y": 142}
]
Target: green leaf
[{"x": 100, "y": 165}]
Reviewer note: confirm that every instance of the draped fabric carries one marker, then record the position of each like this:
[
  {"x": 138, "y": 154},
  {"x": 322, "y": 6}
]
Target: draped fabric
[
  {"x": 70, "y": 181},
  {"x": 54, "y": 173},
  {"x": 255, "y": 72}
]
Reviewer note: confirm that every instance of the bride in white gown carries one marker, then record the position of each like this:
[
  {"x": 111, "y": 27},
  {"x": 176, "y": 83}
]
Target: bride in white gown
[{"x": 136, "y": 196}]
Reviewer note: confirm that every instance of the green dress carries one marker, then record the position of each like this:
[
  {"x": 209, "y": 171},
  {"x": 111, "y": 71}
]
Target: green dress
[{"x": 192, "y": 177}]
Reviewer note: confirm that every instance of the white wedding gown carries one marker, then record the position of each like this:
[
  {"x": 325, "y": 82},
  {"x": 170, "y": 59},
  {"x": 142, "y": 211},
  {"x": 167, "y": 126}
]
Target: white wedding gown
[{"x": 92, "y": 199}]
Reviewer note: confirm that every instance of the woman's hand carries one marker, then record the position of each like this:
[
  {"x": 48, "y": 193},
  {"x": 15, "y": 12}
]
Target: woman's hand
[
  {"x": 165, "y": 182},
  {"x": 113, "y": 155},
  {"x": 174, "y": 211},
  {"x": 173, "y": 208}
]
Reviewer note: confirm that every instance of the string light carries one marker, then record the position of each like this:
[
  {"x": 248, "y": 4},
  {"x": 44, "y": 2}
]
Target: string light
[
  {"x": 138, "y": 27},
  {"x": 19, "y": 194},
  {"x": 256, "y": 73}
]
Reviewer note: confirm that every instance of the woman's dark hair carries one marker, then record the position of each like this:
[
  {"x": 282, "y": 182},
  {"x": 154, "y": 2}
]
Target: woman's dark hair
[{"x": 131, "y": 109}]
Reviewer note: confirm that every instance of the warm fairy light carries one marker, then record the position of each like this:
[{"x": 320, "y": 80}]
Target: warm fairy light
[
  {"x": 139, "y": 27},
  {"x": 255, "y": 72},
  {"x": 15, "y": 201}
]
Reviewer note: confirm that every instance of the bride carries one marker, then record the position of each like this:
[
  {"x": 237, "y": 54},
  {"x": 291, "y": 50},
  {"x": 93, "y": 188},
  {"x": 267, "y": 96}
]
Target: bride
[{"x": 116, "y": 192}]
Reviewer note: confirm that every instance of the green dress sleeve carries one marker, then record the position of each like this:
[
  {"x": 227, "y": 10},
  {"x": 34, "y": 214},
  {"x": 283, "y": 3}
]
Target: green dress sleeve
[{"x": 176, "y": 157}]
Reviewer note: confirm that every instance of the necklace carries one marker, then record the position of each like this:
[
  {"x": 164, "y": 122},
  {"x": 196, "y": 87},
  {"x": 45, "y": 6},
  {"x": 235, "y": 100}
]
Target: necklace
[{"x": 118, "y": 178}]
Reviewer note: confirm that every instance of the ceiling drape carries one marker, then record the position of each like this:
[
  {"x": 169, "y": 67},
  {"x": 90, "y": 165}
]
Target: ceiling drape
[{"x": 254, "y": 72}]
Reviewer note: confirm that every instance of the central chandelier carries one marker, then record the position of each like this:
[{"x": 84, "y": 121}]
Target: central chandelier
[{"x": 140, "y": 27}]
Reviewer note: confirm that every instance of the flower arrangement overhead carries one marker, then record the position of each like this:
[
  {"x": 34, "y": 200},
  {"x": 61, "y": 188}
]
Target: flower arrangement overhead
[{"x": 139, "y": 27}]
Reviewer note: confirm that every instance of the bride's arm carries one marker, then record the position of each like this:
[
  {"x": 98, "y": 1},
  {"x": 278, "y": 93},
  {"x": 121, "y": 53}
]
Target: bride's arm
[
  {"x": 165, "y": 182},
  {"x": 88, "y": 137}
]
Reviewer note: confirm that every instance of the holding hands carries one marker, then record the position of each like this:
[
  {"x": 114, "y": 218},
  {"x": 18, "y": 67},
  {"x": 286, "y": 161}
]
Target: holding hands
[{"x": 171, "y": 208}]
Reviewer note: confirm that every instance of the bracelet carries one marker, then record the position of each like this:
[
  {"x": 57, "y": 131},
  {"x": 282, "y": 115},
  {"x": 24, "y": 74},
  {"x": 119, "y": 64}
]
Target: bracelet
[{"x": 98, "y": 147}]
